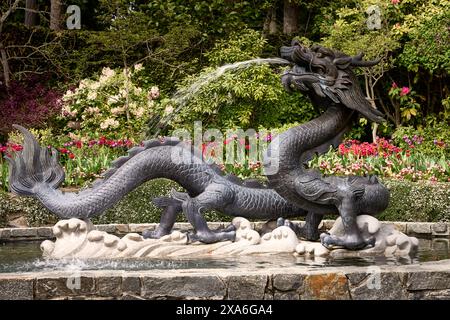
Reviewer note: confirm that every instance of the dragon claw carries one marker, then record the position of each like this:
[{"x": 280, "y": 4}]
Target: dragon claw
[
  {"x": 211, "y": 237},
  {"x": 153, "y": 234},
  {"x": 347, "y": 242},
  {"x": 228, "y": 228}
]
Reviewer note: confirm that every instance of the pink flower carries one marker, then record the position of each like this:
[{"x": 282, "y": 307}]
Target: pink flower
[
  {"x": 405, "y": 91},
  {"x": 394, "y": 85},
  {"x": 268, "y": 138},
  {"x": 395, "y": 1}
]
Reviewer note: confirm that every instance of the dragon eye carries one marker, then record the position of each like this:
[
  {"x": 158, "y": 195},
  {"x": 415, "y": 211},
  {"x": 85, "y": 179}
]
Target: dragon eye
[{"x": 320, "y": 70}]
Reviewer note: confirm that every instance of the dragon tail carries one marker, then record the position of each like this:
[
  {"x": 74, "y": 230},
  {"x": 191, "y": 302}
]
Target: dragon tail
[{"x": 33, "y": 167}]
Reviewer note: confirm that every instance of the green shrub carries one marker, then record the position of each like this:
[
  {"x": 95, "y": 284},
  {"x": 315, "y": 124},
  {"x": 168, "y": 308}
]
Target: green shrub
[
  {"x": 35, "y": 213},
  {"x": 112, "y": 105},
  {"x": 246, "y": 97},
  {"x": 137, "y": 206},
  {"x": 417, "y": 201},
  {"x": 410, "y": 201},
  {"x": 3, "y": 217}
]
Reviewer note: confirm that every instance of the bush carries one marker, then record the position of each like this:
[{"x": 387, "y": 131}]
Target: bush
[
  {"x": 136, "y": 207},
  {"x": 410, "y": 201},
  {"x": 34, "y": 212},
  {"x": 29, "y": 103},
  {"x": 417, "y": 201},
  {"x": 3, "y": 216},
  {"x": 247, "y": 96},
  {"x": 113, "y": 105}
]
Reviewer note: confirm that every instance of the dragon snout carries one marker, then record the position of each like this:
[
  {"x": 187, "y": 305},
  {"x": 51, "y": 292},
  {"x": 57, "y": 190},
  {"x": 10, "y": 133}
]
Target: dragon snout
[{"x": 286, "y": 52}]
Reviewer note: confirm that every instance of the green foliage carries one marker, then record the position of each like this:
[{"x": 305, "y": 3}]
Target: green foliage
[
  {"x": 244, "y": 45},
  {"x": 136, "y": 207},
  {"x": 417, "y": 201},
  {"x": 170, "y": 36},
  {"x": 410, "y": 201},
  {"x": 427, "y": 33},
  {"x": 3, "y": 218},
  {"x": 4, "y": 171},
  {"x": 247, "y": 96},
  {"x": 215, "y": 18},
  {"x": 350, "y": 33},
  {"x": 88, "y": 163},
  {"x": 405, "y": 100},
  {"x": 34, "y": 212}
]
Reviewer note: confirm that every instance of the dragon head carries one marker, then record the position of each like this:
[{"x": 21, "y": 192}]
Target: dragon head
[{"x": 326, "y": 76}]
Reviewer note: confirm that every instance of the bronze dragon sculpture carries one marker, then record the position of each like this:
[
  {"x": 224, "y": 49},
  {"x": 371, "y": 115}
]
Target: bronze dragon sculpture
[{"x": 325, "y": 76}]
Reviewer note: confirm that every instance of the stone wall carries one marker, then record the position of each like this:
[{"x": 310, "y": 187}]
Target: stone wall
[{"x": 429, "y": 280}]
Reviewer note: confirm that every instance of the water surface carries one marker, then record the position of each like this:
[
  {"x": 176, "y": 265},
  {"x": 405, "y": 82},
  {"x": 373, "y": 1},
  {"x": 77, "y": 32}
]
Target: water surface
[{"x": 27, "y": 257}]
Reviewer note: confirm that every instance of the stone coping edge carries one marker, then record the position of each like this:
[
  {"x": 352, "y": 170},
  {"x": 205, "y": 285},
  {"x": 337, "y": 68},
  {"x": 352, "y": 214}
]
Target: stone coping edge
[
  {"x": 429, "y": 280},
  {"x": 418, "y": 229}
]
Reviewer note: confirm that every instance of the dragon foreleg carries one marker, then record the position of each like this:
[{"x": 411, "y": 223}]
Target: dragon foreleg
[{"x": 193, "y": 209}]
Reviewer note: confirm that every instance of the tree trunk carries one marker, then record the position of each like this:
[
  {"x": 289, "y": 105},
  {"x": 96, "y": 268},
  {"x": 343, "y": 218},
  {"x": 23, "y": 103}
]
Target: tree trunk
[
  {"x": 270, "y": 24},
  {"x": 5, "y": 65},
  {"x": 56, "y": 15},
  {"x": 30, "y": 15},
  {"x": 291, "y": 17}
]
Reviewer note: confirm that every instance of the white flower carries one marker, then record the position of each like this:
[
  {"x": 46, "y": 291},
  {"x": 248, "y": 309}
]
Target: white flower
[
  {"x": 150, "y": 104},
  {"x": 104, "y": 125},
  {"x": 113, "y": 99},
  {"x": 114, "y": 123},
  {"x": 84, "y": 84},
  {"x": 139, "y": 112},
  {"x": 168, "y": 110},
  {"x": 66, "y": 112},
  {"x": 108, "y": 72},
  {"x": 95, "y": 85},
  {"x": 93, "y": 110},
  {"x": 109, "y": 123},
  {"x": 126, "y": 72},
  {"x": 154, "y": 93},
  {"x": 137, "y": 90},
  {"x": 138, "y": 67},
  {"x": 117, "y": 110},
  {"x": 73, "y": 136},
  {"x": 92, "y": 95},
  {"x": 123, "y": 92}
]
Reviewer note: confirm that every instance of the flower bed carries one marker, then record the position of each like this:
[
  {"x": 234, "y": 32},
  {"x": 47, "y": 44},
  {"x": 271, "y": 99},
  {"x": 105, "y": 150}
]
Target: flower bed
[{"x": 386, "y": 160}]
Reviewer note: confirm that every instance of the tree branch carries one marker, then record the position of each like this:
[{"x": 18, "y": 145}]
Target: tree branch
[{"x": 5, "y": 15}]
